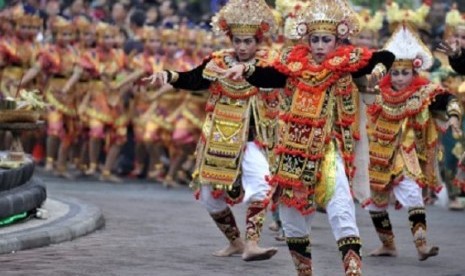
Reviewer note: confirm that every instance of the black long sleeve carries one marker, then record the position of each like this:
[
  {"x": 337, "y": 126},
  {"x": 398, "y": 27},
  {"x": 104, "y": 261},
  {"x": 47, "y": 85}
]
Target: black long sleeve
[
  {"x": 458, "y": 63},
  {"x": 192, "y": 80},
  {"x": 440, "y": 102},
  {"x": 267, "y": 77},
  {"x": 385, "y": 57}
]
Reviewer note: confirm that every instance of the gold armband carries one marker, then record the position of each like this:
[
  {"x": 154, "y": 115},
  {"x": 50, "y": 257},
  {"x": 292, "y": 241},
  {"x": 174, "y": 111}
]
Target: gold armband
[
  {"x": 249, "y": 70},
  {"x": 173, "y": 76},
  {"x": 379, "y": 71}
]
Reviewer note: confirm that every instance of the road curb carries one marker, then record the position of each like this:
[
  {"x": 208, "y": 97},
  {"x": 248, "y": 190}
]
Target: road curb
[{"x": 81, "y": 219}]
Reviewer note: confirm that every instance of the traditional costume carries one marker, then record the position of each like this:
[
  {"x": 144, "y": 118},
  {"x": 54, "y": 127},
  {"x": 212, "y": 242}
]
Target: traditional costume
[
  {"x": 403, "y": 142},
  {"x": 239, "y": 131}
]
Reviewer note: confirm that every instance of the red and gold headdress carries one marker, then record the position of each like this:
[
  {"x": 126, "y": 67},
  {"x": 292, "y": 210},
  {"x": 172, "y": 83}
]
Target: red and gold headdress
[
  {"x": 330, "y": 16},
  {"x": 245, "y": 17}
]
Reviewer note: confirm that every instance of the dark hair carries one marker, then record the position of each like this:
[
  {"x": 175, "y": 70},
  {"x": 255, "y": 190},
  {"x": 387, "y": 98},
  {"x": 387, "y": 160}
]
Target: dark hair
[{"x": 137, "y": 18}]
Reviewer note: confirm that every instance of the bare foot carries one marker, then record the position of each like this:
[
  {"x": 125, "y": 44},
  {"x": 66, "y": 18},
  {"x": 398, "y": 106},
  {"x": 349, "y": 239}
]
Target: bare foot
[
  {"x": 384, "y": 251},
  {"x": 456, "y": 205},
  {"x": 236, "y": 247},
  {"x": 48, "y": 166},
  {"x": 136, "y": 172},
  {"x": 91, "y": 171},
  {"x": 65, "y": 174},
  {"x": 253, "y": 252},
  {"x": 274, "y": 226},
  {"x": 110, "y": 178},
  {"x": 425, "y": 253},
  {"x": 170, "y": 183}
]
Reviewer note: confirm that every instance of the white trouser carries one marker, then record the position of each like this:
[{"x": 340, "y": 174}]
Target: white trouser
[
  {"x": 254, "y": 170},
  {"x": 361, "y": 180},
  {"x": 340, "y": 211},
  {"x": 407, "y": 192}
]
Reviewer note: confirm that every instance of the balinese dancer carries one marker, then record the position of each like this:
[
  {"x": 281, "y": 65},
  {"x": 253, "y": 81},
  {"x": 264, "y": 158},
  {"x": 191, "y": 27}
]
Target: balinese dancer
[
  {"x": 164, "y": 110},
  {"x": 403, "y": 140},
  {"x": 316, "y": 145},
  {"x": 143, "y": 65},
  {"x": 454, "y": 48},
  {"x": 80, "y": 85},
  {"x": 57, "y": 62},
  {"x": 106, "y": 113},
  {"x": 231, "y": 167}
]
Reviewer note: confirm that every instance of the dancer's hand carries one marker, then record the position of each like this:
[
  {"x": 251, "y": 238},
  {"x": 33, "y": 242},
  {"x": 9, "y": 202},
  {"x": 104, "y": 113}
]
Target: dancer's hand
[
  {"x": 455, "y": 126},
  {"x": 235, "y": 73},
  {"x": 451, "y": 49},
  {"x": 157, "y": 79},
  {"x": 372, "y": 83}
]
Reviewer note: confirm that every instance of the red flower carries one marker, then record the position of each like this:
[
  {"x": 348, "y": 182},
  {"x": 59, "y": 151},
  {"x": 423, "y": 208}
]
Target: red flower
[
  {"x": 417, "y": 62},
  {"x": 223, "y": 24},
  {"x": 265, "y": 27}
]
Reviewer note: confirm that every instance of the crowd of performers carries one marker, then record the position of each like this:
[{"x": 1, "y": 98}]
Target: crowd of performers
[
  {"x": 95, "y": 93},
  {"x": 325, "y": 114}
]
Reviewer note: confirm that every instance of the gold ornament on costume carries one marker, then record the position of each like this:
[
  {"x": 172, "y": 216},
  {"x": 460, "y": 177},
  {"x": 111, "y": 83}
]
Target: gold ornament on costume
[
  {"x": 417, "y": 18},
  {"x": 408, "y": 48},
  {"x": 245, "y": 17},
  {"x": 330, "y": 16}
]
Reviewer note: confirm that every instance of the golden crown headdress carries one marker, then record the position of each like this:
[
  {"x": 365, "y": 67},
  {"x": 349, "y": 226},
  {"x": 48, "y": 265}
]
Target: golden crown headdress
[
  {"x": 103, "y": 28},
  {"x": 332, "y": 16},
  {"x": 454, "y": 20},
  {"x": 416, "y": 18},
  {"x": 245, "y": 17},
  {"x": 409, "y": 49},
  {"x": 61, "y": 25},
  {"x": 82, "y": 23},
  {"x": 20, "y": 16},
  {"x": 150, "y": 32},
  {"x": 170, "y": 34},
  {"x": 368, "y": 22}
]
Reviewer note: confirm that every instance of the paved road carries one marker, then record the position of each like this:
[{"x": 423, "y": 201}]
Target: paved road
[{"x": 153, "y": 231}]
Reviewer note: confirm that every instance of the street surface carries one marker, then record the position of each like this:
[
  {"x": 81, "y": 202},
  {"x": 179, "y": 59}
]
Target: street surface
[{"x": 154, "y": 231}]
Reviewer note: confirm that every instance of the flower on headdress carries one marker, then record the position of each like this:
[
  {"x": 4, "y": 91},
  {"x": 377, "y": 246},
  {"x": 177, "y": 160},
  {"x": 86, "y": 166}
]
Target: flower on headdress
[
  {"x": 223, "y": 24},
  {"x": 265, "y": 27},
  {"x": 417, "y": 62},
  {"x": 342, "y": 29},
  {"x": 302, "y": 29}
]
